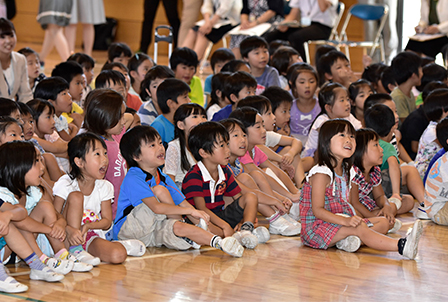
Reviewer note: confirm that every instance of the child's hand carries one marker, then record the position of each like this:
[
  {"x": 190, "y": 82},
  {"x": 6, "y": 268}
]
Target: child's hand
[
  {"x": 287, "y": 159},
  {"x": 238, "y": 227},
  {"x": 287, "y": 203},
  {"x": 228, "y": 231},
  {"x": 200, "y": 214},
  {"x": 4, "y": 223},
  {"x": 74, "y": 236},
  {"x": 388, "y": 212},
  {"x": 353, "y": 221},
  {"x": 289, "y": 169},
  {"x": 57, "y": 232}
]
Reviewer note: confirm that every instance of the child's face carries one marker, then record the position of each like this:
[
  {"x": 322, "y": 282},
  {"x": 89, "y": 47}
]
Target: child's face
[
  {"x": 122, "y": 59},
  {"x": 363, "y": 94},
  {"x": 237, "y": 142},
  {"x": 33, "y": 65},
  {"x": 269, "y": 119},
  {"x": 7, "y": 43},
  {"x": 76, "y": 87},
  {"x": 246, "y": 91},
  {"x": 118, "y": 87},
  {"x": 152, "y": 154},
  {"x": 28, "y": 126},
  {"x": 258, "y": 58},
  {"x": 294, "y": 59},
  {"x": 33, "y": 176},
  {"x": 12, "y": 133},
  {"x": 221, "y": 152},
  {"x": 89, "y": 73},
  {"x": 343, "y": 145},
  {"x": 219, "y": 66},
  {"x": 153, "y": 88},
  {"x": 374, "y": 154},
  {"x": 282, "y": 114},
  {"x": 184, "y": 72},
  {"x": 306, "y": 85},
  {"x": 191, "y": 121},
  {"x": 45, "y": 123},
  {"x": 419, "y": 77},
  {"x": 391, "y": 105},
  {"x": 181, "y": 99},
  {"x": 340, "y": 72},
  {"x": 63, "y": 102},
  {"x": 256, "y": 134},
  {"x": 126, "y": 76},
  {"x": 95, "y": 163},
  {"x": 118, "y": 128},
  {"x": 341, "y": 105},
  {"x": 16, "y": 115},
  {"x": 142, "y": 70}
]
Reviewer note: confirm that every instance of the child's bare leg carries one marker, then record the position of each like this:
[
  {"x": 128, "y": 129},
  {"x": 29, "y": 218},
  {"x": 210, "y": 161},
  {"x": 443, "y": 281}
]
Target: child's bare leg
[
  {"x": 249, "y": 202},
  {"x": 74, "y": 209},
  {"x": 192, "y": 232},
  {"x": 17, "y": 243},
  {"x": 286, "y": 180},
  {"x": 411, "y": 179},
  {"x": 52, "y": 166},
  {"x": 380, "y": 224},
  {"x": 211, "y": 226},
  {"x": 111, "y": 252},
  {"x": 164, "y": 196},
  {"x": 307, "y": 163},
  {"x": 262, "y": 180},
  {"x": 407, "y": 204},
  {"x": 299, "y": 173}
]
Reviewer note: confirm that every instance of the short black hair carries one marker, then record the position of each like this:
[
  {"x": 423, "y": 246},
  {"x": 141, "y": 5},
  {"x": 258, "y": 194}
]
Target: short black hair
[
  {"x": 49, "y": 88},
  {"x": 170, "y": 89},
  {"x": 24, "y": 108},
  {"x": 282, "y": 57},
  {"x": 432, "y": 72},
  {"x": 205, "y": 136},
  {"x": 251, "y": 43},
  {"x": 109, "y": 76},
  {"x": 404, "y": 65},
  {"x": 26, "y": 51},
  {"x": 259, "y": 102},
  {"x": 38, "y": 106},
  {"x": 218, "y": 83},
  {"x": 82, "y": 59},
  {"x": 436, "y": 104},
  {"x": 380, "y": 118},
  {"x": 321, "y": 51},
  {"x": 110, "y": 66},
  {"x": 115, "y": 50},
  {"x": 276, "y": 44},
  {"x": 277, "y": 96},
  {"x": 363, "y": 137},
  {"x": 354, "y": 88},
  {"x": 183, "y": 55},
  {"x": 430, "y": 87},
  {"x": 132, "y": 141},
  {"x": 233, "y": 66},
  {"x": 372, "y": 73},
  {"x": 442, "y": 133},
  {"x": 326, "y": 61},
  {"x": 103, "y": 110},
  {"x": 221, "y": 55},
  {"x": 236, "y": 82},
  {"x": 376, "y": 98},
  {"x": 67, "y": 70},
  {"x": 6, "y": 27},
  {"x": 158, "y": 71},
  {"x": 231, "y": 123},
  {"x": 293, "y": 73},
  {"x": 8, "y": 106},
  {"x": 327, "y": 95},
  {"x": 246, "y": 115},
  {"x": 6, "y": 121},
  {"x": 78, "y": 147},
  {"x": 388, "y": 77}
]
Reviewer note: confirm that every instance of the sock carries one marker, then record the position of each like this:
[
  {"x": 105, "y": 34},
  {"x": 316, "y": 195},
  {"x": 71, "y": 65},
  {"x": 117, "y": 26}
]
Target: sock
[
  {"x": 34, "y": 262},
  {"x": 401, "y": 244},
  {"x": 247, "y": 226},
  {"x": 75, "y": 249},
  {"x": 4, "y": 274},
  {"x": 273, "y": 217},
  {"x": 62, "y": 254},
  {"x": 216, "y": 242},
  {"x": 44, "y": 258}
]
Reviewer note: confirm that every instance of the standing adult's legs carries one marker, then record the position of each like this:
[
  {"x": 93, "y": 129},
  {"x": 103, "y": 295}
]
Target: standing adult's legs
[
  {"x": 173, "y": 18},
  {"x": 390, "y": 31},
  {"x": 315, "y": 31},
  {"x": 70, "y": 35},
  {"x": 190, "y": 14},
  {"x": 149, "y": 14},
  {"x": 54, "y": 36}
]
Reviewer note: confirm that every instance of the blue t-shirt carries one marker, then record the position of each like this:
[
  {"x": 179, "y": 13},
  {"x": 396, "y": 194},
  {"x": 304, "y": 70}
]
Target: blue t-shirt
[
  {"x": 269, "y": 77},
  {"x": 165, "y": 128},
  {"x": 222, "y": 114},
  {"x": 137, "y": 186},
  {"x": 208, "y": 84}
]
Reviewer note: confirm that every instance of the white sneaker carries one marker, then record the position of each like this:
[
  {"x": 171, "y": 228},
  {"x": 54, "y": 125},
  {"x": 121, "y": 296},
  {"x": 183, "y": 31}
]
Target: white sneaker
[
  {"x": 202, "y": 224},
  {"x": 294, "y": 211},
  {"x": 85, "y": 257},
  {"x": 9, "y": 286},
  {"x": 60, "y": 266},
  {"x": 420, "y": 213},
  {"x": 78, "y": 265},
  {"x": 246, "y": 238},
  {"x": 411, "y": 245},
  {"x": 134, "y": 247},
  {"x": 350, "y": 244},
  {"x": 396, "y": 227},
  {"x": 231, "y": 246},
  {"x": 291, "y": 220},
  {"x": 262, "y": 234},
  {"x": 46, "y": 275},
  {"x": 282, "y": 227}
]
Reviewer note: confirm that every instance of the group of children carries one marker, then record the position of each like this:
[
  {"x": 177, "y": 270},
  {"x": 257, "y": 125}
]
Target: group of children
[{"x": 150, "y": 158}]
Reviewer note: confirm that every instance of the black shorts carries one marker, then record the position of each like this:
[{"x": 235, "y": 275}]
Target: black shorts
[
  {"x": 232, "y": 214},
  {"x": 217, "y": 33}
]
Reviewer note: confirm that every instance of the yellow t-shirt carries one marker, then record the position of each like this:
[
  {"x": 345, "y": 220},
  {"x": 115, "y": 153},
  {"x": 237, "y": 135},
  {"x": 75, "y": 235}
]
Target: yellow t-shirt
[
  {"x": 196, "y": 94},
  {"x": 75, "y": 109}
]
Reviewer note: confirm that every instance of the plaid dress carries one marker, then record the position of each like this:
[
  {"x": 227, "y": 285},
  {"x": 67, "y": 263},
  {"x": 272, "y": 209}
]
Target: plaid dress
[
  {"x": 317, "y": 233},
  {"x": 365, "y": 188}
]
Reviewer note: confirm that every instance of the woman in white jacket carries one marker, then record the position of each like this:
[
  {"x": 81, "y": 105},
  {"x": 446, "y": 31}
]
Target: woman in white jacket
[
  {"x": 220, "y": 16},
  {"x": 433, "y": 20}
]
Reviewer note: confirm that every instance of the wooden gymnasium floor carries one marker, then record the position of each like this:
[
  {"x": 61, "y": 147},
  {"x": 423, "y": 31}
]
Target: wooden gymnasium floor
[{"x": 280, "y": 270}]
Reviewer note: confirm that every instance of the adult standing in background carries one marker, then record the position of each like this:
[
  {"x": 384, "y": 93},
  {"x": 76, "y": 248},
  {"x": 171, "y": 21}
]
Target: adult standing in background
[
  {"x": 190, "y": 14},
  {"x": 87, "y": 12},
  {"x": 149, "y": 15}
]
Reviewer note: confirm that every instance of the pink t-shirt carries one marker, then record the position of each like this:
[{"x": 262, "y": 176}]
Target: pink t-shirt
[
  {"x": 117, "y": 167},
  {"x": 259, "y": 157}
]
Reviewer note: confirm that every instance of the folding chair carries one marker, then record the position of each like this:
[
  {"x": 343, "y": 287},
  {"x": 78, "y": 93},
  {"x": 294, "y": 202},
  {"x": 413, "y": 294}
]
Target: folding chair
[
  {"x": 333, "y": 36},
  {"x": 365, "y": 12}
]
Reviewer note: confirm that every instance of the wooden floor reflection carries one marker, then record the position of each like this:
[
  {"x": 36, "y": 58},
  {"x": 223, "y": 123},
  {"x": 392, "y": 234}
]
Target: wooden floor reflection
[{"x": 280, "y": 270}]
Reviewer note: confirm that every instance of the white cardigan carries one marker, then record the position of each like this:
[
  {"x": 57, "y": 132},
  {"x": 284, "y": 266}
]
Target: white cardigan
[
  {"x": 442, "y": 12},
  {"x": 21, "y": 86},
  {"x": 228, "y": 10}
]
